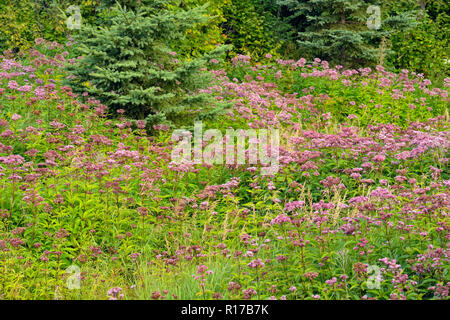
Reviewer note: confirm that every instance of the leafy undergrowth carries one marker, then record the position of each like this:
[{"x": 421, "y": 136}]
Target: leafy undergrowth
[{"x": 358, "y": 209}]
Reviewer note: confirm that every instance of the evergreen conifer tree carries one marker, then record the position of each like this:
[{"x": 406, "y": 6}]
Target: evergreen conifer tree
[{"x": 127, "y": 64}]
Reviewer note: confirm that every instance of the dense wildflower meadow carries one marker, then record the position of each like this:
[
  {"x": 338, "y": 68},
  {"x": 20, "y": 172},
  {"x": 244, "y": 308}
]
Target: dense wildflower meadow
[{"x": 93, "y": 207}]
